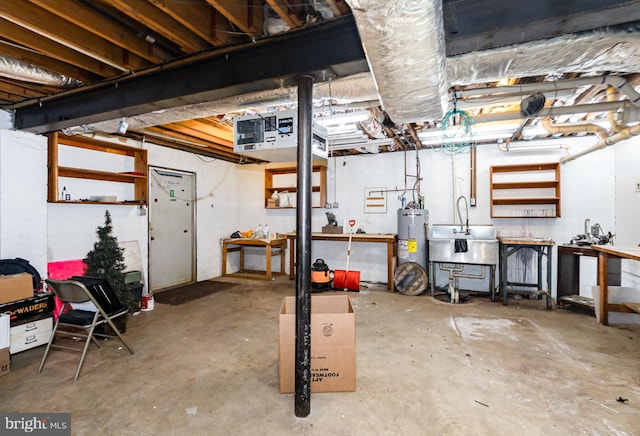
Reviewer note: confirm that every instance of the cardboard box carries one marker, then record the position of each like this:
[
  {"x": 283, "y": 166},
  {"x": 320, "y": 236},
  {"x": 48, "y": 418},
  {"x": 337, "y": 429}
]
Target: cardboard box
[
  {"x": 332, "y": 229},
  {"x": 333, "y": 344},
  {"x": 15, "y": 287},
  {"x": 5, "y": 361},
  {"x": 29, "y": 307}
]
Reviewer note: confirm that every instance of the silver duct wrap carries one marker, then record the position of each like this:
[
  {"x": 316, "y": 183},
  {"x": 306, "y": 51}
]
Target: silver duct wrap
[{"x": 405, "y": 48}]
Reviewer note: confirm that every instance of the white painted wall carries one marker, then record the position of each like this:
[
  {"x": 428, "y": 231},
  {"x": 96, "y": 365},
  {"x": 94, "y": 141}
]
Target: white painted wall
[
  {"x": 598, "y": 186},
  {"x": 72, "y": 227},
  {"x": 23, "y": 196},
  {"x": 588, "y": 191}
]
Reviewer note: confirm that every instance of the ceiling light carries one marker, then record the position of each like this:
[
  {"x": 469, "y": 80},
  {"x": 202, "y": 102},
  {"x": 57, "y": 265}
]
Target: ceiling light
[{"x": 346, "y": 118}]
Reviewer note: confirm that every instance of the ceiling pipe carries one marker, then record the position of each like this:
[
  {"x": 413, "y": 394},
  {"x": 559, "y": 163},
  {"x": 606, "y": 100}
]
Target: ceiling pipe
[
  {"x": 573, "y": 128},
  {"x": 525, "y": 89},
  {"x": 621, "y": 135},
  {"x": 613, "y": 95},
  {"x": 552, "y": 111}
]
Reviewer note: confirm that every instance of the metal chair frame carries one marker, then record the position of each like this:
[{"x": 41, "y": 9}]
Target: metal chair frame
[{"x": 107, "y": 306}]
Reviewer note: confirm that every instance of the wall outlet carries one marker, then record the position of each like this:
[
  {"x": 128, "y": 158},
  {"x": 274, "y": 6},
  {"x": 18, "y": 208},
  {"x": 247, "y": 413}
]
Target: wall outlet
[
  {"x": 335, "y": 205},
  {"x": 637, "y": 185},
  {"x": 327, "y": 205}
]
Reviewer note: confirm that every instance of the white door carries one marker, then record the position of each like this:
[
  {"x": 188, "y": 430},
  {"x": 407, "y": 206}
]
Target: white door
[{"x": 171, "y": 228}]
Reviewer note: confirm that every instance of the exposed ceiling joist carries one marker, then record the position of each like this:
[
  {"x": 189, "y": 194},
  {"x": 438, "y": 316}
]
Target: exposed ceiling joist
[
  {"x": 161, "y": 23},
  {"x": 76, "y": 13},
  {"x": 201, "y": 19},
  {"x": 211, "y": 78},
  {"x": 33, "y": 18},
  {"x": 43, "y": 48},
  {"x": 246, "y": 15}
]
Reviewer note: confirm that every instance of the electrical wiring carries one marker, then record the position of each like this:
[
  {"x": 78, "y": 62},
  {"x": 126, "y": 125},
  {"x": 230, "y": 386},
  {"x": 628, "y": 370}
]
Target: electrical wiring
[{"x": 457, "y": 136}]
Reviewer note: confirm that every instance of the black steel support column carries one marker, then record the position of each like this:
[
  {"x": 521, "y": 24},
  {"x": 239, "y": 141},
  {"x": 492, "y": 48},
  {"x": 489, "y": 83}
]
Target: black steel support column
[{"x": 303, "y": 249}]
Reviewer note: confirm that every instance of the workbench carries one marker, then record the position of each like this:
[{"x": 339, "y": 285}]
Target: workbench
[
  {"x": 386, "y": 238},
  {"x": 272, "y": 247},
  {"x": 606, "y": 252},
  {"x": 568, "y": 278},
  {"x": 511, "y": 245}
]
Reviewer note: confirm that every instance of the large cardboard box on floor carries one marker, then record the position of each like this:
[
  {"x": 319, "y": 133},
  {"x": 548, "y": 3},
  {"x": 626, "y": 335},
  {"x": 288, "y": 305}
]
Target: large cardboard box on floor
[
  {"x": 333, "y": 344},
  {"x": 15, "y": 287}
]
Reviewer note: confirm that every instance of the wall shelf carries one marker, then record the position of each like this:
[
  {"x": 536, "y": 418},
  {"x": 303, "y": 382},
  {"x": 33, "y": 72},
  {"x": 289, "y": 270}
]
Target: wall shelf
[
  {"x": 137, "y": 177},
  {"x": 514, "y": 187},
  {"x": 281, "y": 177}
]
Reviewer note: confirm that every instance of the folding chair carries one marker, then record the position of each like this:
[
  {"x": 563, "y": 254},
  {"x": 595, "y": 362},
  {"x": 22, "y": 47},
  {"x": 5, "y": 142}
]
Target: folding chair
[{"x": 107, "y": 305}]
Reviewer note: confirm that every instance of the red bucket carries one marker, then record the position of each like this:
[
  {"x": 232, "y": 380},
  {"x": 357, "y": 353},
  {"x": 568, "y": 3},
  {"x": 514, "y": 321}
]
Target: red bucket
[{"x": 347, "y": 280}]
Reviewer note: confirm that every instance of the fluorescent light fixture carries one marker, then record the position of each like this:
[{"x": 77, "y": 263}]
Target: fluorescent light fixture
[
  {"x": 346, "y": 118},
  {"x": 347, "y": 145}
]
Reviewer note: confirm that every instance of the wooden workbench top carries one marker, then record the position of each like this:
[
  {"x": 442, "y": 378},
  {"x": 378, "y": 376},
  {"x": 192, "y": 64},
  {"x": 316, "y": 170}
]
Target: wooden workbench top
[
  {"x": 514, "y": 240},
  {"x": 354, "y": 236},
  {"x": 627, "y": 252}
]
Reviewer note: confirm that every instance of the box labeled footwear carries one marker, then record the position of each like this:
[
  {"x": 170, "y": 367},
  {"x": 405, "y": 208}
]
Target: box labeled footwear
[
  {"x": 5, "y": 361},
  {"x": 29, "y": 307},
  {"x": 333, "y": 344},
  {"x": 15, "y": 287}
]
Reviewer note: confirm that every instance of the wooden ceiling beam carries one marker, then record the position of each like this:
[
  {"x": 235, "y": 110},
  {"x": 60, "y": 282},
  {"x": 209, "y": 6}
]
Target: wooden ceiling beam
[
  {"x": 179, "y": 133},
  {"x": 284, "y": 10},
  {"x": 246, "y": 15},
  {"x": 42, "y": 89},
  {"x": 19, "y": 91},
  {"x": 200, "y": 18},
  {"x": 47, "y": 63},
  {"x": 76, "y": 13},
  {"x": 36, "y": 19},
  {"x": 43, "y": 45},
  {"x": 201, "y": 125},
  {"x": 160, "y": 22},
  {"x": 187, "y": 129},
  {"x": 9, "y": 97}
]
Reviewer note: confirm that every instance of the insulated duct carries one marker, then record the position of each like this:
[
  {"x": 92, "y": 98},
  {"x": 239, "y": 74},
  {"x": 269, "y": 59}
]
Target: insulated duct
[
  {"x": 18, "y": 70},
  {"x": 588, "y": 54},
  {"x": 593, "y": 53},
  {"x": 405, "y": 47}
]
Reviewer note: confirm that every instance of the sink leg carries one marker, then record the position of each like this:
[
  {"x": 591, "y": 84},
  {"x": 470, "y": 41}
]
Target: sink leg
[{"x": 453, "y": 292}]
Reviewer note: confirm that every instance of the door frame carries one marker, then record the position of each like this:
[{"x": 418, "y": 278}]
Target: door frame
[{"x": 194, "y": 222}]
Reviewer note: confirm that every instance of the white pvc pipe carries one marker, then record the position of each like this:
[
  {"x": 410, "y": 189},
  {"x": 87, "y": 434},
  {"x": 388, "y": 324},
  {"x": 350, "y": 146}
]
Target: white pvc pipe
[
  {"x": 547, "y": 112},
  {"x": 573, "y": 128},
  {"x": 615, "y": 81},
  {"x": 623, "y": 134}
]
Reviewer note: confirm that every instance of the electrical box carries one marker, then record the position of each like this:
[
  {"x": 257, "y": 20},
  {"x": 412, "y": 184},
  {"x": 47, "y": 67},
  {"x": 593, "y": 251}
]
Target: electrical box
[{"x": 273, "y": 136}]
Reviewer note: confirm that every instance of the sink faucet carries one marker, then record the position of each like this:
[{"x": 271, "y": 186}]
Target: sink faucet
[{"x": 466, "y": 205}]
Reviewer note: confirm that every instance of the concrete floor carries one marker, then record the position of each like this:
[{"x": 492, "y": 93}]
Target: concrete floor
[{"x": 423, "y": 367}]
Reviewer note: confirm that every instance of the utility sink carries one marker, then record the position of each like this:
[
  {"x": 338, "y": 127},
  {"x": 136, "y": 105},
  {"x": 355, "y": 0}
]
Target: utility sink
[{"x": 482, "y": 246}]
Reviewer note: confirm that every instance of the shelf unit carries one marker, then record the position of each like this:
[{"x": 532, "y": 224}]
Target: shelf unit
[
  {"x": 281, "y": 177},
  {"x": 514, "y": 187},
  {"x": 137, "y": 177}
]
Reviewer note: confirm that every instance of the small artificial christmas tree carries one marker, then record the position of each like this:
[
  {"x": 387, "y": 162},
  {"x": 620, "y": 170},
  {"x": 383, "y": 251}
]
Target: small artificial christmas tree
[{"x": 106, "y": 261}]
